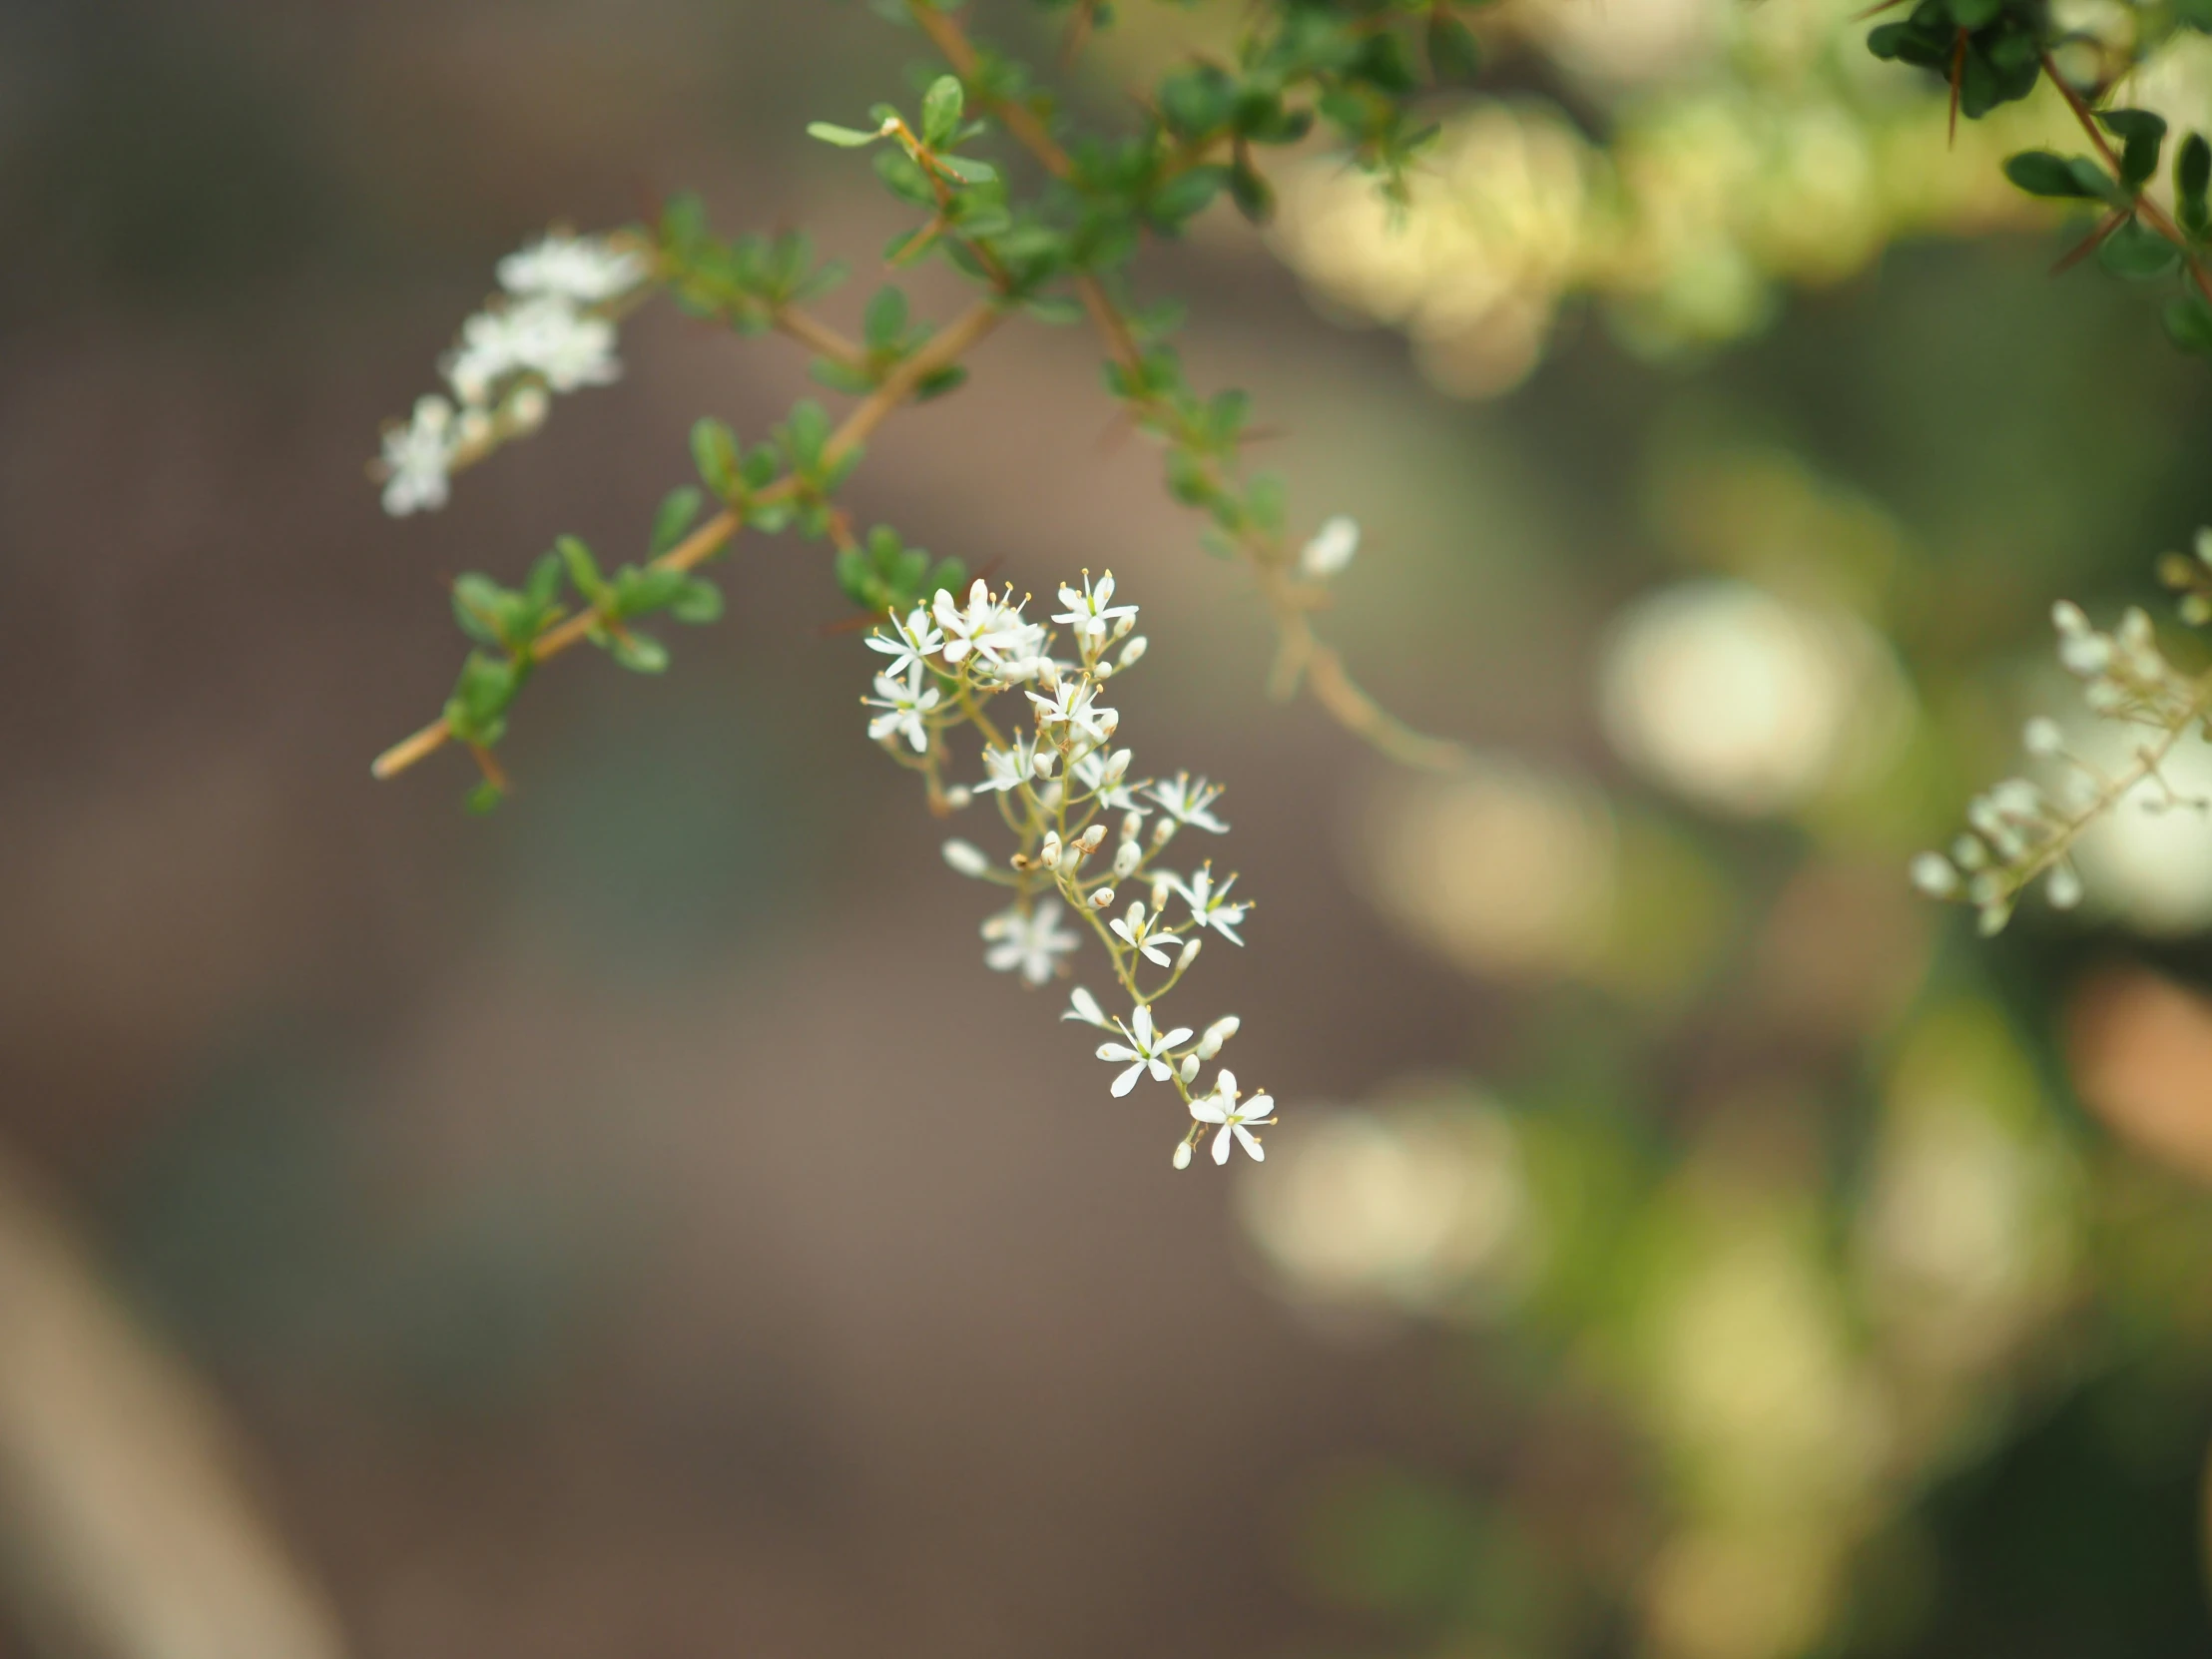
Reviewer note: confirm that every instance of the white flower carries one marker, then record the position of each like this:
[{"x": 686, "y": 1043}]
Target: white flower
[
  {"x": 1331, "y": 549},
  {"x": 1190, "y": 803},
  {"x": 988, "y": 627},
  {"x": 1106, "y": 777},
  {"x": 1145, "y": 1047},
  {"x": 1071, "y": 705},
  {"x": 1221, "y": 1107},
  {"x": 1009, "y": 768},
  {"x": 585, "y": 269},
  {"x": 1209, "y": 906},
  {"x": 966, "y": 857},
  {"x": 1031, "y": 943},
  {"x": 417, "y": 458},
  {"x": 1934, "y": 874},
  {"x": 903, "y": 702},
  {"x": 908, "y": 642},
  {"x": 1092, "y": 611},
  {"x": 550, "y": 337},
  {"x": 2042, "y": 738},
  {"x": 483, "y": 358},
  {"x": 1142, "y": 933},
  {"x": 1084, "y": 1006},
  {"x": 1211, "y": 1039}
]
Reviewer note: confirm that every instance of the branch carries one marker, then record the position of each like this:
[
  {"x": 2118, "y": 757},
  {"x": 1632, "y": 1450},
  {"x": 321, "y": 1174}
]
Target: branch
[
  {"x": 2147, "y": 210},
  {"x": 941, "y": 350},
  {"x": 1301, "y": 653}
]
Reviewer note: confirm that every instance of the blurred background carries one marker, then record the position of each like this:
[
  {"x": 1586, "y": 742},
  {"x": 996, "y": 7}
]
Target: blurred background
[{"x": 637, "y": 1223}]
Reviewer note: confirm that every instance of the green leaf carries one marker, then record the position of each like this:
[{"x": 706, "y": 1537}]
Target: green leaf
[
  {"x": 885, "y": 322},
  {"x": 1254, "y": 197},
  {"x": 583, "y": 571},
  {"x": 967, "y": 170},
  {"x": 713, "y": 450},
  {"x": 844, "y": 138},
  {"x": 1055, "y": 308},
  {"x": 1187, "y": 193},
  {"x": 542, "y": 588},
  {"x": 2041, "y": 173},
  {"x": 2138, "y": 252},
  {"x": 652, "y": 588},
  {"x": 2192, "y": 172},
  {"x": 938, "y": 382},
  {"x": 856, "y": 576},
  {"x": 2189, "y": 321},
  {"x": 639, "y": 653},
  {"x": 941, "y": 108},
  {"x": 677, "y": 510},
  {"x": 805, "y": 434},
  {"x": 950, "y": 575},
  {"x": 1455, "y": 55},
  {"x": 482, "y": 694},
  {"x": 478, "y": 607},
  {"x": 2143, "y": 133},
  {"x": 698, "y": 601}
]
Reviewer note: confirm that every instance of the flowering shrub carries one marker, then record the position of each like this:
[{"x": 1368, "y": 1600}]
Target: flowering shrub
[
  {"x": 1058, "y": 252},
  {"x": 2019, "y": 830},
  {"x": 1059, "y": 788}
]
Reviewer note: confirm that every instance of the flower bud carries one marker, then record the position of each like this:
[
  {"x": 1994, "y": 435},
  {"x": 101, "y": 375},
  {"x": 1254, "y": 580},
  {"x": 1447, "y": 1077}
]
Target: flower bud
[
  {"x": 1101, "y": 898},
  {"x": 1160, "y": 892},
  {"x": 1090, "y": 839},
  {"x": 526, "y": 408},
  {"x": 1934, "y": 875},
  {"x": 1189, "y": 1068},
  {"x": 1188, "y": 955},
  {"x": 2043, "y": 736},
  {"x": 1131, "y": 653},
  {"x": 965, "y": 857},
  {"x": 1163, "y": 832},
  {"x": 1122, "y": 625},
  {"x": 957, "y": 797},
  {"x": 1049, "y": 854},
  {"x": 1117, "y": 768},
  {"x": 1127, "y": 858},
  {"x": 1109, "y": 721},
  {"x": 1182, "y": 1155},
  {"x": 1132, "y": 825}
]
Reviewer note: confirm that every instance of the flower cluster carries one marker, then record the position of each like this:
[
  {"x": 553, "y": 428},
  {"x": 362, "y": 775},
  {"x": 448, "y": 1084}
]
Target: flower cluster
[
  {"x": 551, "y": 329},
  {"x": 2020, "y": 830},
  {"x": 1065, "y": 792}
]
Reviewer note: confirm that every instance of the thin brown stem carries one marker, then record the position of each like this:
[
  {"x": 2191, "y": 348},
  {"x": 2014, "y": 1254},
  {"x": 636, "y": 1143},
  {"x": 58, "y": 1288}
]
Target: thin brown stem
[{"x": 818, "y": 337}]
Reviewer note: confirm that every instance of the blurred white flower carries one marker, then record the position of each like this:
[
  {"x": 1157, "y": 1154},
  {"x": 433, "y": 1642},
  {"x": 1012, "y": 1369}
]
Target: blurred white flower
[
  {"x": 418, "y": 457},
  {"x": 1743, "y": 702},
  {"x": 1190, "y": 803},
  {"x": 1030, "y": 944},
  {"x": 1332, "y": 548},
  {"x": 583, "y": 270},
  {"x": 1424, "y": 1207}
]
